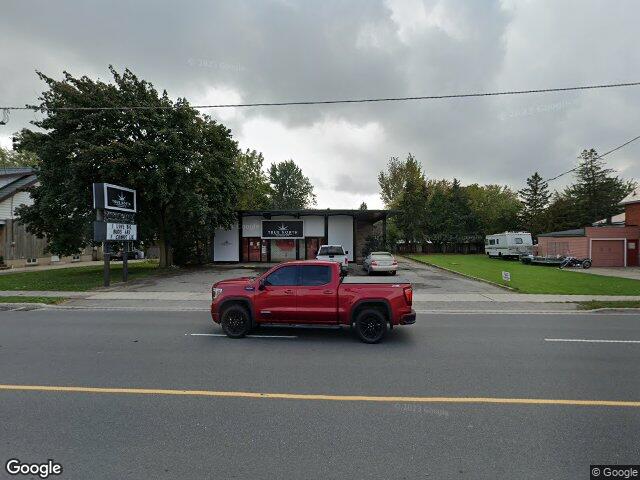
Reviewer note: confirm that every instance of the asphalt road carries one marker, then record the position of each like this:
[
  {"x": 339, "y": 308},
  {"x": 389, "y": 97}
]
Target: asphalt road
[{"x": 159, "y": 435}]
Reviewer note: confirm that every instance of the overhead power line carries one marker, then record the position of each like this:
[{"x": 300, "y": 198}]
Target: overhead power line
[
  {"x": 599, "y": 156},
  {"x": 332, "y": 102}
]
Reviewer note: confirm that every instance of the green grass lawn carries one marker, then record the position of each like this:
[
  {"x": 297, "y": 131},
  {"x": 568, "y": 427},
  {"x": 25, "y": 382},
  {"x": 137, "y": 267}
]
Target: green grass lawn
[
  {"x": 533, "y": 278},
  {"x": 19, "y": 299},
  {"x": 73, "y": 278}
]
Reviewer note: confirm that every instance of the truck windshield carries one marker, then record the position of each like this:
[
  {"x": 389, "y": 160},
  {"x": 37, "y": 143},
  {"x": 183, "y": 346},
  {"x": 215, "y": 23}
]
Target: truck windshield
[{"x": 331, "y": 250}]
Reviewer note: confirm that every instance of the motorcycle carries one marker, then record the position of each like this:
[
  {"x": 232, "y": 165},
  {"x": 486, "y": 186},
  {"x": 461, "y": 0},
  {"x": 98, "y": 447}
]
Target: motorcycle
[{"x": 576, "y": 262}]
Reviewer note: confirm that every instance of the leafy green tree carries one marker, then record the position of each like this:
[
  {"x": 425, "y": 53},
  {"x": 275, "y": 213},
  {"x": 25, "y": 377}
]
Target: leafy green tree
[
  {"x": 254, "y": 191},
  {"x": 495, "y": 206},
  {"x": 290, "y": 189},
  {"x": 535, "y": 199},
  {"x": 13, "y": 159},
  {"x": 596, "y": 191},
  {"x": 392, "y": 182},
  {"x": 363, "y": 206},
  {"x": 561, "y": 213},
  {"x": 181, "y": 164},
  {"x": 411, "y": 219}
]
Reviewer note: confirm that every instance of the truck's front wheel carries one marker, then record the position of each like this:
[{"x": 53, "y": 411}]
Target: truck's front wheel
[
  {"x": 371, "y": 325},
  {"x": 235, "y": 321}
]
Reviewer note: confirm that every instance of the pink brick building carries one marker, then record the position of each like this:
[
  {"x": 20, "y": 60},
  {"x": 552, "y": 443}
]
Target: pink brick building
[{"x": 608, "y": 244}]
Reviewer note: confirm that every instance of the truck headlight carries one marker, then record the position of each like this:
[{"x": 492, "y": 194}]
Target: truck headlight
[{"x": 215, "y": 292}]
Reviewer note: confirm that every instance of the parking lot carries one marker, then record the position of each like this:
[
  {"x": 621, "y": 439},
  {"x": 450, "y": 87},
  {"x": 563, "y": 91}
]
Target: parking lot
[{"x": 423, "y": 277}]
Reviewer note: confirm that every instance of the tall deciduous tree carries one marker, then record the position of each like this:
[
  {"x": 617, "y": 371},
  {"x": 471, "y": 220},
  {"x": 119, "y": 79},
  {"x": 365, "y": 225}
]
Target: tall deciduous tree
[
  {"x": 495, "y": 206},
  {"x": 254, "y": 191},
  {"x": 181, "y": 164},
  {"x": 290, "y": 188},
  {"x": 411, "y": 219},
  {"x": 597, "y": 190},
  {"x": 535, "y": 199},
  {"x": 392, "y": 182},
  {"x": 13, "y": 159}
]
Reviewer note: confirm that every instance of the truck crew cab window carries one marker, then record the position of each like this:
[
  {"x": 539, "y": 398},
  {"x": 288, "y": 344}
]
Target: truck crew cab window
[
  {"x": 518, "y": 240},
  {"x": 283, "y": 276},
  {"x": 314, "y": 275}
]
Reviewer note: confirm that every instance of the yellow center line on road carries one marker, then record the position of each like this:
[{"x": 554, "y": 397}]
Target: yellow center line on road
[{"x": 318, "y": 397}]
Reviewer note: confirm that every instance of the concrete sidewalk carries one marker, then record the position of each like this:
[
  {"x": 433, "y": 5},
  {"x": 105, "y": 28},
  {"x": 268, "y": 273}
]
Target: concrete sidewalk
[{"x": 417, "y": 296}]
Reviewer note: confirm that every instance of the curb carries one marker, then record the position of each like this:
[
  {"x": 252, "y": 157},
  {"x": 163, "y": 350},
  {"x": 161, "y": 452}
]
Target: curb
[{"x": 461, "y": 274}]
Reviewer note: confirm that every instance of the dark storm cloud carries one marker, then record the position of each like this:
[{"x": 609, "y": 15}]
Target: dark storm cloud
[{"x": 286, "y": 50}]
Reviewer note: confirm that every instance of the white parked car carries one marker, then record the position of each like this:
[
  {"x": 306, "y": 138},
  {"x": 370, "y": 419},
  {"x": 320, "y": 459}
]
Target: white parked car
[
  {"x": 380, "y": 262},
  {"x": 334, "y": 253}
]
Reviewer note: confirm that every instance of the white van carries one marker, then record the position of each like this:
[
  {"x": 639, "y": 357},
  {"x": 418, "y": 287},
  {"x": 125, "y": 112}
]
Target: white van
[{"x": 508, "y": 244}]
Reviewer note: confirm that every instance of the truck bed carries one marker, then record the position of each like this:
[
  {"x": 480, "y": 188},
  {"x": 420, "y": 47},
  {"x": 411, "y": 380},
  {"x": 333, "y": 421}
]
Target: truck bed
[{"x": 377, "y": 280}]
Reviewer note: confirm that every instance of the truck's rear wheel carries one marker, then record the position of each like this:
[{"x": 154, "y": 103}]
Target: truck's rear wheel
[
  {"x": 370, "y": 325},
  {"x": 235, "y": 321}
]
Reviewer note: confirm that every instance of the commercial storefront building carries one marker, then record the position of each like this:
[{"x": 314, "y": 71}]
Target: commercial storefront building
[{"x": 281, "y": 235}]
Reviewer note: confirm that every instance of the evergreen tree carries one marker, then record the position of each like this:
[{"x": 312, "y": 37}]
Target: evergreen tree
[
  {"x": 596, "y": 192},
  {"x": 535, "y": 199}
]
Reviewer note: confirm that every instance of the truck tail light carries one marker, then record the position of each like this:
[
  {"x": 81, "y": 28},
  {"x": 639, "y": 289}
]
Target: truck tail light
[
  {"x": 408, "y": 295},
  {"x": 395, "y": 262},
  {"x": 374, "y": 263}
]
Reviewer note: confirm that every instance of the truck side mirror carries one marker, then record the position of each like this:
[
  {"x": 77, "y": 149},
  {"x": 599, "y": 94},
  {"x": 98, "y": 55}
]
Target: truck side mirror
[
  {"x": 261, "y": 285},
  {"x": 346, "y": 252}
]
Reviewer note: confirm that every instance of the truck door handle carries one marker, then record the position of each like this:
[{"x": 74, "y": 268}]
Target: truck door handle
[
  {"x": 327, "y": 292},
  {"x": 288, "y": 291}
]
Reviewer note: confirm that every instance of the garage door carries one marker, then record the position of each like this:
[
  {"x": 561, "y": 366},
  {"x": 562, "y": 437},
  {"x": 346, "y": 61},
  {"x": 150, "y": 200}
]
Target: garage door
[{"x": 607, "y": 253}]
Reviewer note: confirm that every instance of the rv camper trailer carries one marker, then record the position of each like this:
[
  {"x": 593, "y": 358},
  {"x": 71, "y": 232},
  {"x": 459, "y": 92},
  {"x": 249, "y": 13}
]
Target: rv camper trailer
[{"x": 508, "y": 244}]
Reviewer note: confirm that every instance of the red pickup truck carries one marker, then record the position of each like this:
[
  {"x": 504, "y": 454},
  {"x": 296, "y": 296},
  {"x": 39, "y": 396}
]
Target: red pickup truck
[{"x": 312, "y": 292}]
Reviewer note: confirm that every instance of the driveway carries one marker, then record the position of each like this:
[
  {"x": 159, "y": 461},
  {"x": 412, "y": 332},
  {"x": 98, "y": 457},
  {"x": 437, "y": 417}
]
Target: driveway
[
  {"x": 623, "y": 272},
  {"x": 425, "y": 279}
]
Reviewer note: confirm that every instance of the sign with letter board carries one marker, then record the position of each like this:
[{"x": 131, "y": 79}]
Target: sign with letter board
[
  {"x": 506, "y": 276},
  {"x": 117, "y": 232},
  {"x": 114, "y": 197},
  {"x": 282, "y": 229}
]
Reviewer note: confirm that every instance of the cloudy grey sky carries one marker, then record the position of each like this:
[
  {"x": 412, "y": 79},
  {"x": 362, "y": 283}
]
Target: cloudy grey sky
[{"x": 269, "y": 51}]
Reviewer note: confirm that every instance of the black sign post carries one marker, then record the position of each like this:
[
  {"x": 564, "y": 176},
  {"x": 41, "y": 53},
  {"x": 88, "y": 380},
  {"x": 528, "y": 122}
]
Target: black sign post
[{"x": 115, "y": 222}]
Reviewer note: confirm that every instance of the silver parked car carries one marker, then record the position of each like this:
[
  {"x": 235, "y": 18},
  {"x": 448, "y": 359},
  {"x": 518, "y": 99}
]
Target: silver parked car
[{"x": 380, "y": 262}]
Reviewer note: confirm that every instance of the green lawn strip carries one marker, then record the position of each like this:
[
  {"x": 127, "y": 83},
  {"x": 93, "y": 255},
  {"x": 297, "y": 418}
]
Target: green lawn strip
[
  {"x": 532, "y": 278},
  {"x": 594, "y": 304},
  {"x": 20, "y": 299},
  {"x": 79, "y": 279}
]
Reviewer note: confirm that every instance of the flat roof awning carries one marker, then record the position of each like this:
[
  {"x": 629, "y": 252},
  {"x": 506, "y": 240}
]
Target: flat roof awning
[{"x": 369, "y": 215}]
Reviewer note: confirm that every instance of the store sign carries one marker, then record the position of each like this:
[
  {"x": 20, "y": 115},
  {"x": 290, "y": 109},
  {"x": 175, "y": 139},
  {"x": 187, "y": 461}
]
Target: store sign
[
  {"x": 112, "y": 216},
  {"x": 114, "y": 197},
  {"x": 276, "y": 229},
  {"x": 118, "y": 232}
]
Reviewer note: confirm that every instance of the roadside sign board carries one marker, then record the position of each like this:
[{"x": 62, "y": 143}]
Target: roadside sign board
[
  {"x": 114, "y": 197},
  {"x": 114, "y": 232},
  {"x": 115, "y": 211},
  {"x": 506, "y": 276}
]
